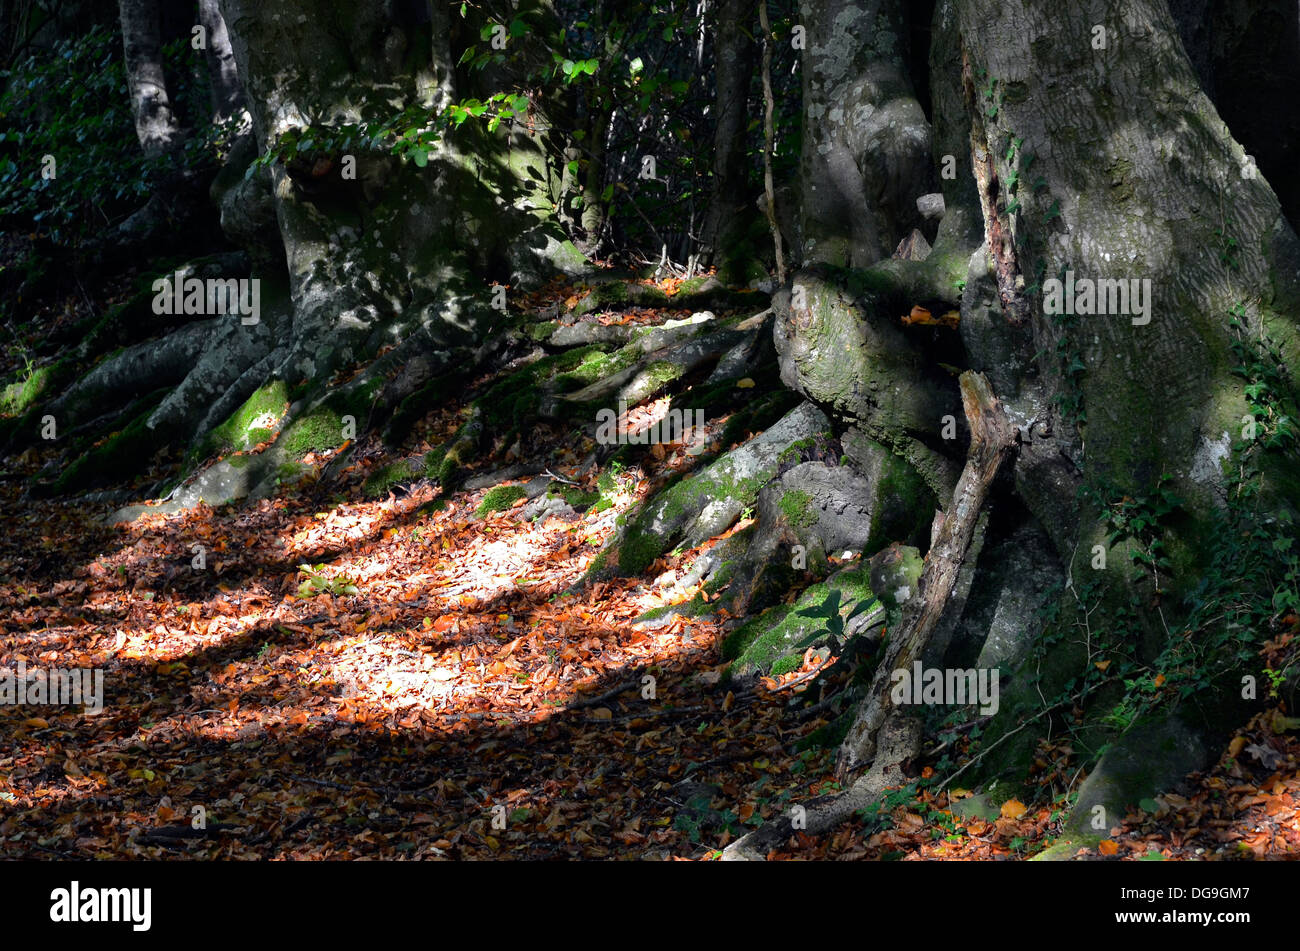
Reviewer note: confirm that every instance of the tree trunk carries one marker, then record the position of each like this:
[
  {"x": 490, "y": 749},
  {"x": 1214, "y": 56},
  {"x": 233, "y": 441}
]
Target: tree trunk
[
  {"x": 227, "y": 96},
  {"x": 866, "y": 143},
  {"x": 1155, "y": 193},
  {"x": 730, "y": 213},
  {"x": 1086, "y": 152},
  {"x": 155, "y": 124}
]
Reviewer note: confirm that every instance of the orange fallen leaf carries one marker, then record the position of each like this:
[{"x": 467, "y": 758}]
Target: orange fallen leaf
[
  {"x": 1108, "y": 847},
  {"x": 1013, "y": 809}
]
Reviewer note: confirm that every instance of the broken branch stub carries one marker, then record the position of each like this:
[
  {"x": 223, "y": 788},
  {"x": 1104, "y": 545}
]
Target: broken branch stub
[{"x": 992, "y": 438}]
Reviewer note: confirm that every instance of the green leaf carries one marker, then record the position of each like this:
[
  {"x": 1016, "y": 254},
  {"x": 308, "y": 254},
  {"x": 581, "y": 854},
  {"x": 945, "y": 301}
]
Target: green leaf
[{"x": 421, "y": 157}]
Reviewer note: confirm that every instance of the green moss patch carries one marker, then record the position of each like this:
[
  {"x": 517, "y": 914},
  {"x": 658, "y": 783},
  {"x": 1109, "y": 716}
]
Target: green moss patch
[
  {"x": 774, "y": 641},
  {"x": 252, "y": 423},
  {"x": 796, "y": 505},
  {"x": 318, "y": 431},
  {"x": 385, "y": 477},
  {"x": 18, "y": 397},
  {"x": 500, "y": 498},
  {"x": 578, "y": 499}
]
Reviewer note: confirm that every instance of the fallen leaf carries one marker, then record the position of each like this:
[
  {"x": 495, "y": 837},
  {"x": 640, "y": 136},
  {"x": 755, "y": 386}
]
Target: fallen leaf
[{"x": 1013, "y": 809}]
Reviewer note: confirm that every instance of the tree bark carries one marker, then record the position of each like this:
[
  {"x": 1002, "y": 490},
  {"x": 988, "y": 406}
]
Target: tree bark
[
  {"x": 156, "y": 125},
  {"x": 769, "y": 104},
  {"x": 223, "y": 74},
  {"x": 729, "y": 210},
  {"x": 866, "y": 143}
]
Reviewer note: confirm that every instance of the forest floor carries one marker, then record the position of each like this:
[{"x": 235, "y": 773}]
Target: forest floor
[{"x": 427, "y": 680}]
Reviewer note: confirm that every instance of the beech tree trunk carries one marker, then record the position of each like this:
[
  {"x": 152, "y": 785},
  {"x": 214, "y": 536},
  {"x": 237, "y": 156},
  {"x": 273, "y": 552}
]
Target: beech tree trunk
[
  {"x": 155, "y": 124},
  {"x": 223, "y": 74},
  {"x": 731, "y": 211},
  {"x": 866, "y": 143},
  {"x": 1085, "y": 152}
]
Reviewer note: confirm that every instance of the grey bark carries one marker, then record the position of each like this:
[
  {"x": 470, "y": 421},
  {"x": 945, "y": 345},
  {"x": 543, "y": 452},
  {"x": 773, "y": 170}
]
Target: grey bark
[
  {"x": 1140, "y": 190},
  {"x": 866, "y": 143},
  {"x": 729, "y": 211},
  {"x": 156, "y": 125},
  {"x": 992, "y": 439},
  {"x": 223, "y": 74},
  {"x": 1246, "y": 54}
]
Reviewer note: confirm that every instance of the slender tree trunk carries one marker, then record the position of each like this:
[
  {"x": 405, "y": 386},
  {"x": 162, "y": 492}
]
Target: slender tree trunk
[
  {"x": 769, "y": 196},
  {"x": 223, "y": 74},
  {"x": 729, "y": 210},
  {"x": 390, "y": 263},
  {"x": 155, "y": 124}
]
